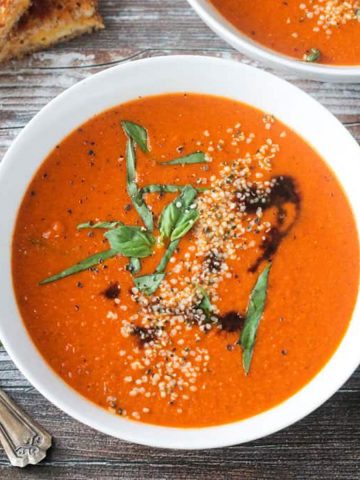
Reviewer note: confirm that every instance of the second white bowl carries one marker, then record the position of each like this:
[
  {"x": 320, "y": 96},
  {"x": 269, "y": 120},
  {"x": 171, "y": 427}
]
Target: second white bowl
[{"x": 268, "y": 57}]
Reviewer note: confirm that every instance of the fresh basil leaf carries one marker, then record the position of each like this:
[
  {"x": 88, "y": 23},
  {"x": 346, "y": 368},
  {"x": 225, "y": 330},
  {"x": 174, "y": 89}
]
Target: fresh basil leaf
[
  {"x": 132, "y": 188},
  {"x": 134, "y": 266},
  {"x": 81, "y": 266},
  {"x": 131, "y": 241},
  {"x": 166, "y": 188},
  {"x": 162, "y": 188},
  {"x": 205, "y": 304},
  {"x": 144, "y": 211},
  {"x": 131, "y": 168},
  {"x": 156, "y": 278},
  {"x": 254, "y": 313},
  {"x": 196, "y": 157},
  {"x": 176, "y": 220},
  {"x": 137, "y": 133},
  {"x": 148, "y": 284},
  {"x": 312, "y": 55},
  {"x": 167, "y": 255},
  {"x": 175, "y": 210},
  {"x": 104, "y": 225},
  {"x": 168, "y": 219},
  {"x": 184, "y": 224}
]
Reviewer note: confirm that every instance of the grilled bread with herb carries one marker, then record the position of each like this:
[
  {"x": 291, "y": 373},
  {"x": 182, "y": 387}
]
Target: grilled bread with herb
[
  {"x": 48, "y": 22},
  {"x": 10, "y": 13}
]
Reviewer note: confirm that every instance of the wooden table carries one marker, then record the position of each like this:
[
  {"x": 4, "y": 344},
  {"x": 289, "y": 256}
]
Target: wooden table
[{"x": 325, "y": 445}]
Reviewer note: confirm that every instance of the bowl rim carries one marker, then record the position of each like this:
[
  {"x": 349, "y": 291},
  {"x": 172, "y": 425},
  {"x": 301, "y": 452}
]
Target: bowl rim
[
  {"x": 228, "y": 32},
  {"x": 40, "y": 374}
]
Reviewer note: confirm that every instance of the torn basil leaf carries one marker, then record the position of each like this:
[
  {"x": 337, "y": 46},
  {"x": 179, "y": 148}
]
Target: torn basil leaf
[
  {"x": 164, "y": 188},
  {"x": 81, "y": 266},
  {"x": 134, "y": 266},
  {"x": 184, "y": 224},
  {"x": 312, "y": 55},
  {"x": 176, "y": 220},
  {"x": 100, "y": 225},
  {"x": 148, "y": 284},
  {"x": 137, "y": 133},
  {"x": 253, "y": 316},
  {"x": 196, "y": 157},
  {"x": 176, "y": 213},
  {"x": 205, "y": 304},
  {"x": 155, "y": 279},
  {"x": 132, "y": 188},
  {"x": 131, "y": 241},
  {"x": 167, "y": 255}
]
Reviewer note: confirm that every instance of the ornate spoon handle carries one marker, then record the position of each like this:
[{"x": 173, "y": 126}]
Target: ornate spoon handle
[{"x": 23, "y": 439}]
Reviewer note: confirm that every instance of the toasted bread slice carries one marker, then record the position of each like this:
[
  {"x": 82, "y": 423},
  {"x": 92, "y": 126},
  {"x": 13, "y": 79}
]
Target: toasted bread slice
[
  {"x": 10, "y": 13},
  {"x": 48, "y": 22}
]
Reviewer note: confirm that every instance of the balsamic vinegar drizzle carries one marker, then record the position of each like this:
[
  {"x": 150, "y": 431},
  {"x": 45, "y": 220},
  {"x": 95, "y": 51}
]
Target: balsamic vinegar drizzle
[
  {"x": 283, "y": 192},
  {"x": 232, "y": 321},
  {"x": 113, "y": 291}
]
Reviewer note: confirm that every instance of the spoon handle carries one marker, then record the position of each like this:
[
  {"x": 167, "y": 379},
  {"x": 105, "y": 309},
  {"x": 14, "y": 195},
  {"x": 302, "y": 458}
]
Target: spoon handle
[{"x": 23, "y": 439}]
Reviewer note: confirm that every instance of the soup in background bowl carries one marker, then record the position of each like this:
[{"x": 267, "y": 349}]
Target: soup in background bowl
[
  {"x": 321, "y": 31},
  {"x": 171, "y": 255},
  {"x": 317, "y": 39}
]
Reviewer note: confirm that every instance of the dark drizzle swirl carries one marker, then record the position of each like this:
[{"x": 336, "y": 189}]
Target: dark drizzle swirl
[
  {"x": 284, "y": 191},
  {"x": 232, "y": 322},
  {"x": 113, "y": 291}
]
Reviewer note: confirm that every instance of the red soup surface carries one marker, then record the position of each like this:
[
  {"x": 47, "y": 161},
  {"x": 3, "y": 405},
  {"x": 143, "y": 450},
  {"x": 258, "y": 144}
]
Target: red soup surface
[
  {"x": 323, "y": 31},
  {"x": 174, "y": 338}
]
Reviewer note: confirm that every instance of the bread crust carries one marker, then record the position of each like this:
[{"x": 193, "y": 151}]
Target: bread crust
[
  {"x": 48, "y": 22},
  {"x": 10, "y": 13}
]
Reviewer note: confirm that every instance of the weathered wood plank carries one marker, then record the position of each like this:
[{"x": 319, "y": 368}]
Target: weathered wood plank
[
  {"x": 26, "y": 86},
  {"x": 325, "y": 442},
  {"x": 325, "y": 445}
]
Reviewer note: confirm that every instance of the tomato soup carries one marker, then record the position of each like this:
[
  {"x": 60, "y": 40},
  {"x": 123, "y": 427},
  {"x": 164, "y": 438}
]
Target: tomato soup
[
  {"x": 185, "y": 260},
  {"x": 322, "y": 31}
]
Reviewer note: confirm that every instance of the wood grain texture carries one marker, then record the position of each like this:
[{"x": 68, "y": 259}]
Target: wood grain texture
[{"x": 323, "y": 446}]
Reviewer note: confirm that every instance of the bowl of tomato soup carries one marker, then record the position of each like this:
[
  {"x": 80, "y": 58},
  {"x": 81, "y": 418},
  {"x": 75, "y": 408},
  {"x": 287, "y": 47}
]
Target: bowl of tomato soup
[
  {"x": 180, "y": 253},
  {"x": 317, "y": 39}
]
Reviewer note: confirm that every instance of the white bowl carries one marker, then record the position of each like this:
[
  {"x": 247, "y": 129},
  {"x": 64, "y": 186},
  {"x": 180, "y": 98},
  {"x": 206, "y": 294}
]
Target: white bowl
[
  {"x": 120, "y": 84},
  {"x": 267, "y": 56}
]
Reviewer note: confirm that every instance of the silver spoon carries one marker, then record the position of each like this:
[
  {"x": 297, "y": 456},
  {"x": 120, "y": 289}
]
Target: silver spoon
[{"x": 24, "y": 440}]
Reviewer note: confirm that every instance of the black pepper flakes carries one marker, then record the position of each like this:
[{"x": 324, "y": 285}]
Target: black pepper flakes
[{"x": 144, "y": 335}]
